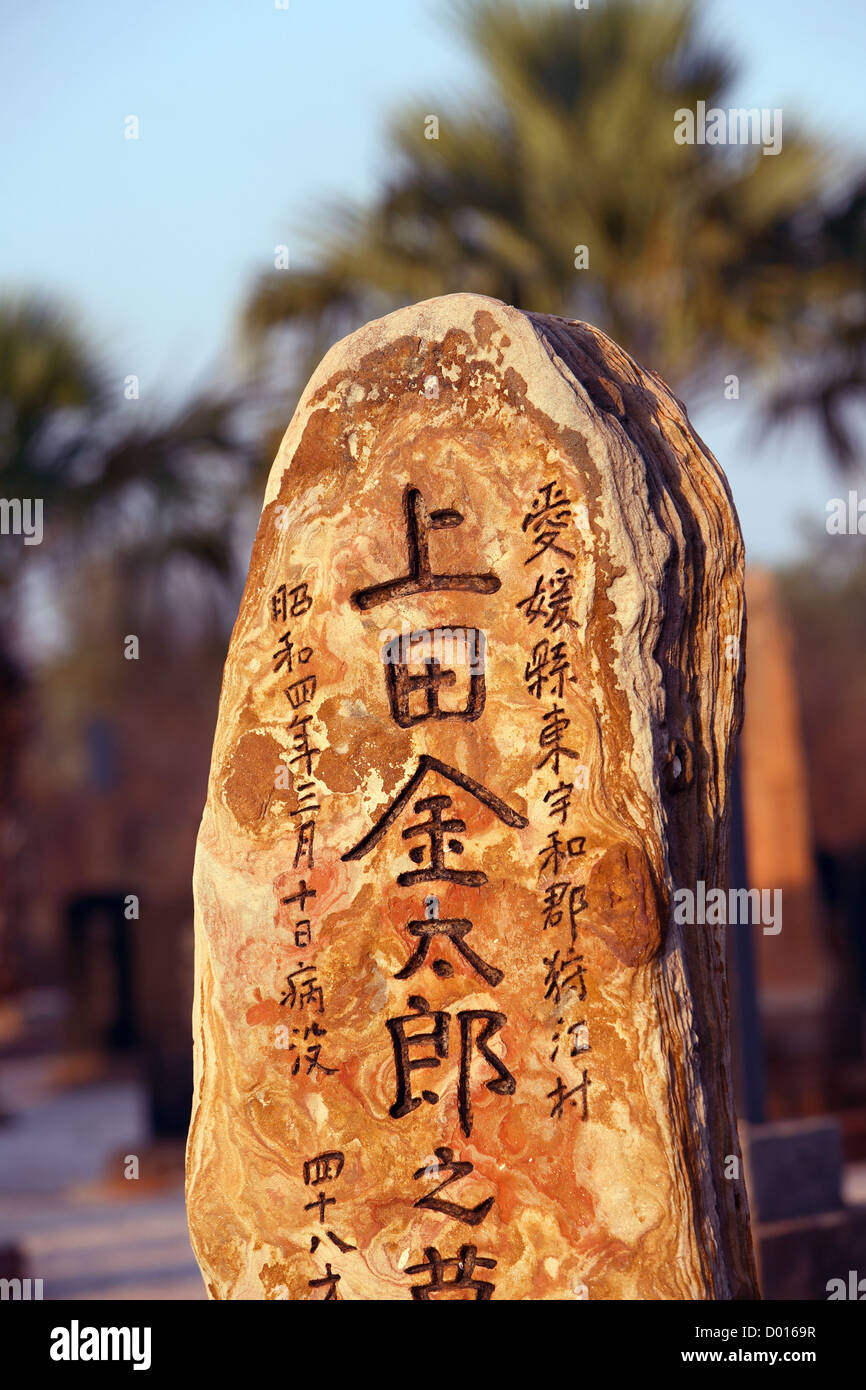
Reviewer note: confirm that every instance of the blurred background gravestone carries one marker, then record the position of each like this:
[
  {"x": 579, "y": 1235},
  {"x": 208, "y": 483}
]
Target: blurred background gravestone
[{"x": 804, "y": 1232}]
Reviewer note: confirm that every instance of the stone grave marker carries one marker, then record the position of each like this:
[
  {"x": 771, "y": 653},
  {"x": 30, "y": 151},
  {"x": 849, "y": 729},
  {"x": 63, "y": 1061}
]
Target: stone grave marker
[{"x": 476, "y": 725}]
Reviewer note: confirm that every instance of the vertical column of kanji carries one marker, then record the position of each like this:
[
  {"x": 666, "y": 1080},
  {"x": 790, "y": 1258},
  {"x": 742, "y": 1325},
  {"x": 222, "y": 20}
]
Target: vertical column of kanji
[
  {"x": 303, "y": 998},
  {"x": 269, "y": 1173},
  {"x": 550, "y": 679},
  {"x": 303, "y": 995},
  {"x": 674, "y": 538},
  {"x": 419, "y": 664}
]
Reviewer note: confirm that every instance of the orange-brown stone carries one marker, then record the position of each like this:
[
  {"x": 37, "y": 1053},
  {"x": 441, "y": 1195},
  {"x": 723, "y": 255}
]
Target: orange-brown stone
[{"x": 476, "y": 725}]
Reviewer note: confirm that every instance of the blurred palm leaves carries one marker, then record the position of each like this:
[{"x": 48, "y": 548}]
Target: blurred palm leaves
[
  {"x": 826, "y": 376},
  {"x": 701, "y": 258},
  {"x": 118, "y": 485}
]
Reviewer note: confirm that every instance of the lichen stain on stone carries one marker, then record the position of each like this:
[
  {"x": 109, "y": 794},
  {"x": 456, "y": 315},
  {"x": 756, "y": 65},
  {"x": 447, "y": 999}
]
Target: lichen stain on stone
[
  {"x": 250, "y": 783},
  {"x": 264, "y": 1011},
  {"x": 376, "y": 750},
  {"x": 274, "y": 1277},
  {"x": 625, "y": 915}
]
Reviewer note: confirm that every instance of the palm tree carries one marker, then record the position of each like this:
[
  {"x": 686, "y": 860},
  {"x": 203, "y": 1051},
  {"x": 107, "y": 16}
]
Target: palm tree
[
  {"x": 145, "y": 489},
  {"x": 699, "y": 256},
  {"x": 825, "y": 379}
]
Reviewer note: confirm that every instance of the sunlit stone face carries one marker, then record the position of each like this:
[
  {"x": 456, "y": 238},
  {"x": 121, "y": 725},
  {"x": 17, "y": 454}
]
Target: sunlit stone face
[{"x": 431, "y": 884}]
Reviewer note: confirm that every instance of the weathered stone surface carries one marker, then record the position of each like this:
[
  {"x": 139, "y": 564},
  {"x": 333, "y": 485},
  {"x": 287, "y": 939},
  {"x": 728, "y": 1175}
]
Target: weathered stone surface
[{"x": 528, "y": 486}]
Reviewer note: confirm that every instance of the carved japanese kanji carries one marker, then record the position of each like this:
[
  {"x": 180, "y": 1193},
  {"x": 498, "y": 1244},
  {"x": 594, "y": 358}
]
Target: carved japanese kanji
[
  {"x": 420, "y": 578},
  {"x": 402, "y": 683},
  {"x": 476, "y": 726}
]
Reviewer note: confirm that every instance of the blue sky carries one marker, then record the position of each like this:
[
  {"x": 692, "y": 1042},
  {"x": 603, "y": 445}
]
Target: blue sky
[{"x": 252, "y": 117}]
